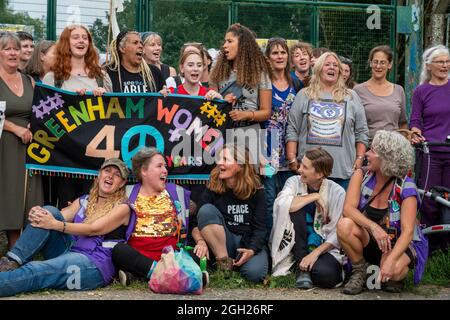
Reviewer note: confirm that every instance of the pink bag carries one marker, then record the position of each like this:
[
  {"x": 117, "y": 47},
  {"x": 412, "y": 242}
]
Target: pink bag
[{"x": 176, "y": 273}]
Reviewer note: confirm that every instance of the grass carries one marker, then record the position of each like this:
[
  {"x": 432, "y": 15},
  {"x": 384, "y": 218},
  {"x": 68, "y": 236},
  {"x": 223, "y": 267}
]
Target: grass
[{"x": 437, "y": 273}]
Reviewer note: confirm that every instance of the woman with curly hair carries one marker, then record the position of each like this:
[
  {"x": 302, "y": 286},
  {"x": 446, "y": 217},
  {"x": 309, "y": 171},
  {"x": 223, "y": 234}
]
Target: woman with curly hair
[
  {"x": 243, "y": 76},
  {"x": 327, "y": 114},
  {"x": 76, "y": 242},
  {"x": 232, "y": 215},
  {"x": 76, "y": 68},
  {"x": 380, "y": 224}
]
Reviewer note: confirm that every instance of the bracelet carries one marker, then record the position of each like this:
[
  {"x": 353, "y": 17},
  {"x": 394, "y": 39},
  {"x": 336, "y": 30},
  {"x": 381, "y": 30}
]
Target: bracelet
[
  {"x": 360, "y": 157},
  {"x": 64, "y": 227}
]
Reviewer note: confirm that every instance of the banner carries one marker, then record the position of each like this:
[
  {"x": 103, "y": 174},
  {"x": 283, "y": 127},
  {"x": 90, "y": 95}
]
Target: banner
[{"x": 73, "y": 134}]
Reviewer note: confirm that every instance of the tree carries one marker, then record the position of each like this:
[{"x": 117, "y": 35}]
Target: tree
[
  {"x": 125, "y": 19},
  {"x": 8, "y": 16}
]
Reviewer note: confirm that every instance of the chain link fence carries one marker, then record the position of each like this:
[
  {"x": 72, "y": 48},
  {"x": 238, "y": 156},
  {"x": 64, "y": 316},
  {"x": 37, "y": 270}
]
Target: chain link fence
[{"x": 346, "y": 28}]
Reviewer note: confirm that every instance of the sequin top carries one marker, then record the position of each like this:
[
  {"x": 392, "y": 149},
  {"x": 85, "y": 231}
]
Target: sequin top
[{"x": 156, "y": 216}]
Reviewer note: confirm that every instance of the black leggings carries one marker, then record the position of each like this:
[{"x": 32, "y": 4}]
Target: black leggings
[
  {"x": 129, "y": 259},
  {"x": 326, "y": 271}
]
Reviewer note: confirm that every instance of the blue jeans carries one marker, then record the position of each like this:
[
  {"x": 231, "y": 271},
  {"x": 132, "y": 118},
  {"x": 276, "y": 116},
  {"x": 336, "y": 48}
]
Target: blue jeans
[
  {"x": 61, "y": 268},
  {"x": 255, "y": 269},
  {"x": 272, "y": 186}
]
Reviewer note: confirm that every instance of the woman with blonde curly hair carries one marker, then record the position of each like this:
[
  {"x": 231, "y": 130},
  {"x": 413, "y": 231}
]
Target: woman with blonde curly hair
[
  {"x": 243, "y": 76},
  {"x": 329, "y": 115},
  {"x": 380, "y": 224},
  {"x": 232, "y": 215},
  {"x": 77, "y": 240}
]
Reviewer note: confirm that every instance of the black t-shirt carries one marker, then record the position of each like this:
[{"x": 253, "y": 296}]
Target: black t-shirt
[
  {"x": 242, "y": 217},
  {"x": 133, "y": 82}
]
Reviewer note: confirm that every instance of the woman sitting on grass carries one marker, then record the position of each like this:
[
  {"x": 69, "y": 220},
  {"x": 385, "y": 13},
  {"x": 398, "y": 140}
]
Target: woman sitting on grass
[
  {"x": 76, "y": 242},
  {"x": 232, "y": 215},
  {"x": 161, "y": 211},
  {"x": 309, "y": 206}
]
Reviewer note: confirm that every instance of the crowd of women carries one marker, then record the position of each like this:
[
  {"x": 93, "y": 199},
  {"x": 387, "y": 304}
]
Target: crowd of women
[{"x": 334, "y": 194}]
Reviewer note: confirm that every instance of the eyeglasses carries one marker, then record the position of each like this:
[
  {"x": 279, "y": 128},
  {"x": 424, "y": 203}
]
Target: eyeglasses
[
  {"x": 441, "y": 62},
  {"x": 276, "y": 39},
  {"x": 381, "y": 63}
]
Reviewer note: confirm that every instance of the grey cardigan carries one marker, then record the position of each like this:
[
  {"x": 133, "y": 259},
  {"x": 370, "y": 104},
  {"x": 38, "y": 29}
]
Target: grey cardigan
[{"x": 336, "y": 127}]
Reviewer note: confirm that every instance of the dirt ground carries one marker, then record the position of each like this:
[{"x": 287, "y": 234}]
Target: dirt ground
[{"x": 423, "y": 293}]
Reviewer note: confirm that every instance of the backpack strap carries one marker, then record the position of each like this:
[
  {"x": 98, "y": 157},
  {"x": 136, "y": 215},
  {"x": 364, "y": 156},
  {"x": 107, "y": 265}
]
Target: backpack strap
[
  {"x": 99, "y": 80},
  {"x": 177, "y": 80},
  {"x": 180, "y": 198},
  {"x": 165, "y": 71},
  {"x": 58, "y": 83}
]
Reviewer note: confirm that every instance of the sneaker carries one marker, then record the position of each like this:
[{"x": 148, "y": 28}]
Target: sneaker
[
  {"x": 125, "y": 278},
  {"x": 358, "y": 278},
  {"x": 392, "y": 286},
  {"x": 303, "y": 280},
  {"x": 8, "y": 265},
  {"x": 205, "y": 279}
]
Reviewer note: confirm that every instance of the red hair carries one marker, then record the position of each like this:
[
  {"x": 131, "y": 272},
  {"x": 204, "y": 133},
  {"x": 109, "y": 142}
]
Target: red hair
[{"x": 63, "y": 66}]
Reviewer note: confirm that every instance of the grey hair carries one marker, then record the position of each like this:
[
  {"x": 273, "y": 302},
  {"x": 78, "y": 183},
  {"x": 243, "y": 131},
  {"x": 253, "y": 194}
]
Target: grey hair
[
  {"x": 427, "y": 58},
  {"x": 142, "y": 158},
  {"x": 6, "y": 37},
  {"x": 395, "y": 151}
]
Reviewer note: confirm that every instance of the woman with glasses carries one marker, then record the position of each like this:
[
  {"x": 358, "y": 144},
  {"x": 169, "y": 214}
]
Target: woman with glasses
[
  {"x": 243, "y": 76},
  {"x": 153, "y": 48},
  {"x": 327, "y": 114},
  {"x": 384, "y": 102},
  {"x": 430, "y": 121},
  {"x": 348, "y": 72},
  {"x": 379, "y": 224},
  {"x": 283, "y": 94}
]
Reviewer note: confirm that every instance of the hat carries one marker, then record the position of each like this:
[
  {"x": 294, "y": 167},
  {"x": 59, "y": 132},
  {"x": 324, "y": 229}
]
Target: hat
[{"x": 119, "y": 164}]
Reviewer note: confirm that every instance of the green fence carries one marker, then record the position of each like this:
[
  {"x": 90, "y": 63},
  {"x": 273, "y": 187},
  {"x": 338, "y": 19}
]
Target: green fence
[{"x": 339, "y": 26}]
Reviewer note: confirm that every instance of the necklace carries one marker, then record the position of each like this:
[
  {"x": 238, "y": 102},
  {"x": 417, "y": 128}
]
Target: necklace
[{"x": 12, "y": 80}]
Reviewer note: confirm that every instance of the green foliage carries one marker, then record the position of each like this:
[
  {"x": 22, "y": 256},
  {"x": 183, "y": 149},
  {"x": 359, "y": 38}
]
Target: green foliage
[
  {"x": 7, "y": 16},
  {"x": 437, "y": 270}
]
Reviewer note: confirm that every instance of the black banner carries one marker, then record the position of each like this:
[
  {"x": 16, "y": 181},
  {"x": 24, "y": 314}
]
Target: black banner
[{"x": 73, "y": 134}]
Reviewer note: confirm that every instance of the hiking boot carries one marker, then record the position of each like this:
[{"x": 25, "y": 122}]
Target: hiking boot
[
  {"x": 303, "y": 280},
  {"x": 125, "y": 278},
  {"x": 358, "y": 278},
  {"x": 205, "y": 279},
  {"x": 393, "y": 286},
  {"x": 225, "y": 264},
  {"x": 8, "y": 265}
]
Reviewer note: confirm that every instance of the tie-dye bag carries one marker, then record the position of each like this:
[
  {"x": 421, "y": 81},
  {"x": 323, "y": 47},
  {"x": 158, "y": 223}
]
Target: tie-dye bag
[{"x": 176, "y": 273}]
